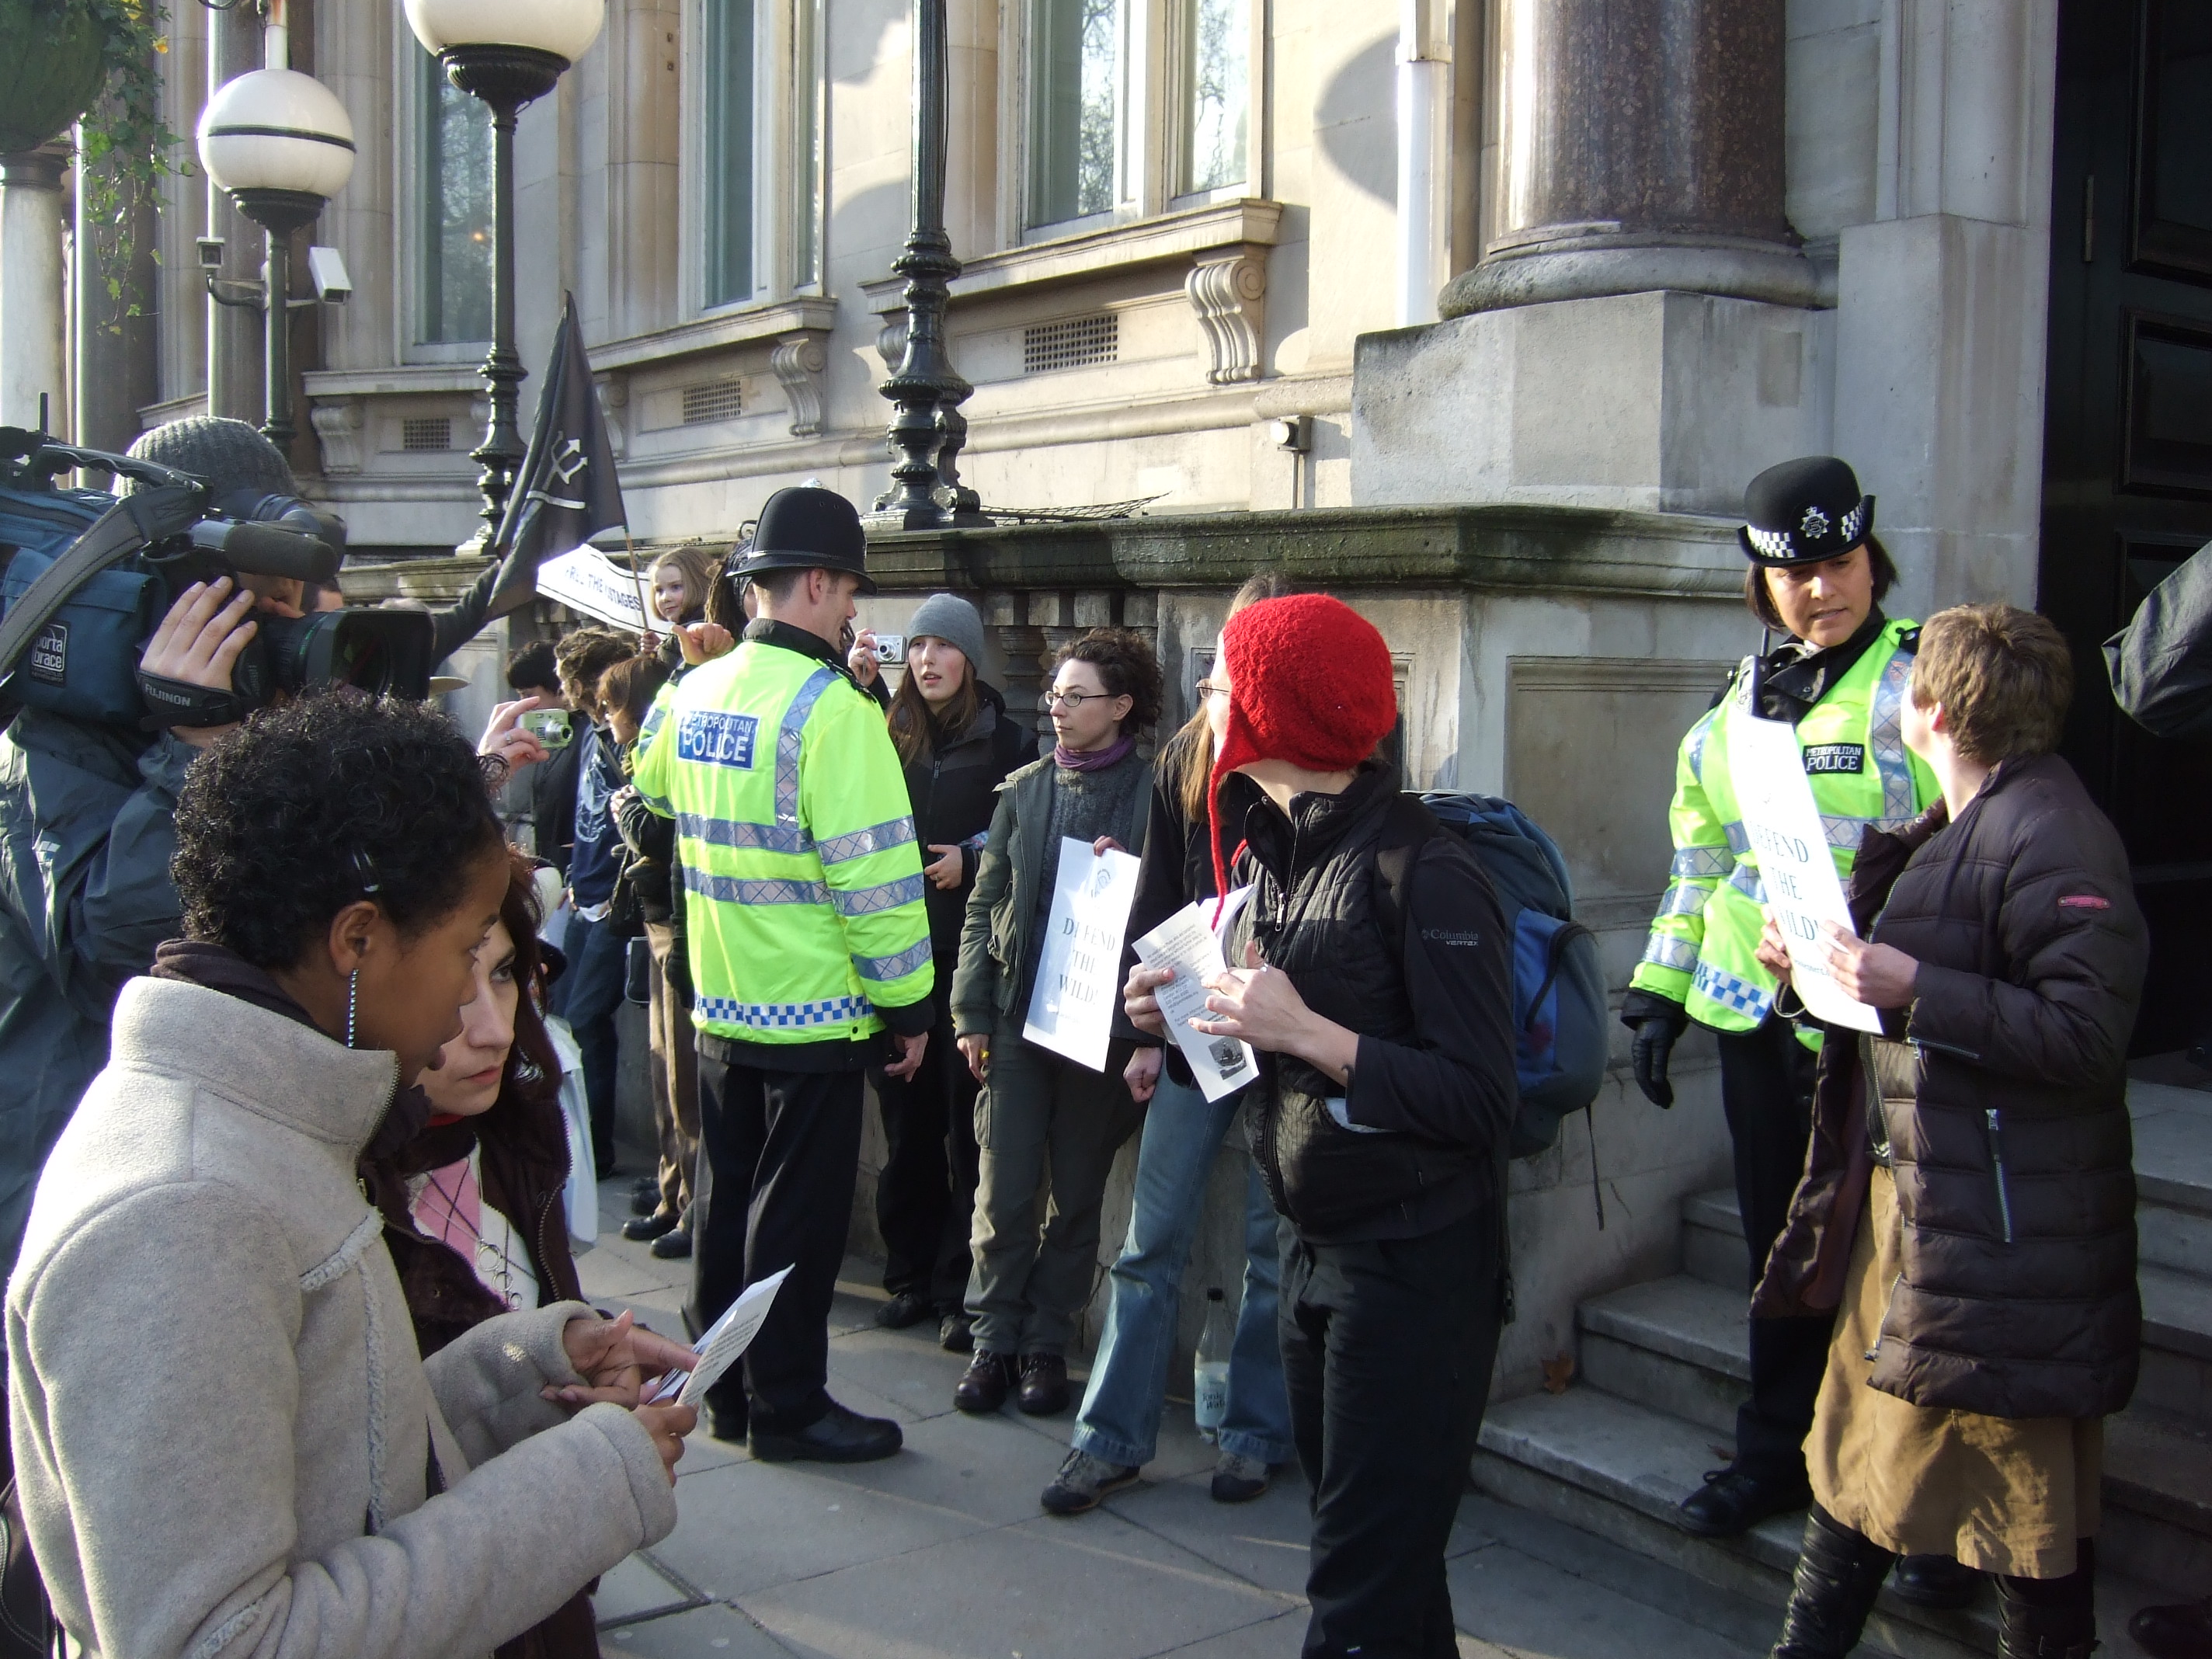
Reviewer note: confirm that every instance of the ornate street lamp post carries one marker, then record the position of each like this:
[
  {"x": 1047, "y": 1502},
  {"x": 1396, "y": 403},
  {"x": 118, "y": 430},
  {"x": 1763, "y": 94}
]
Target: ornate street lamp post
[
  {"x": 509, "y": 53},
  {"x": 280, "y": 145},
  {"x": 927, "y": 432}
]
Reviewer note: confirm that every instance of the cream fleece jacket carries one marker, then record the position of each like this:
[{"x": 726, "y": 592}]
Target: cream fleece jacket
[{"x": 224, "y": 1437}]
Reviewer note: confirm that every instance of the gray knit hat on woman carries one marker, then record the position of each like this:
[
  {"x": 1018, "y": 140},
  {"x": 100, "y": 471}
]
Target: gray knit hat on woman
[{"x": 948, "y": 617}]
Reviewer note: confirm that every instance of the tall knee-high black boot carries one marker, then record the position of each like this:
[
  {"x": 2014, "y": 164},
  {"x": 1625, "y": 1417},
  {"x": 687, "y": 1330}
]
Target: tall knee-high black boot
[
  {"x": 1838, "y": 1575},
  {"x": 2050, "y": 1617}
]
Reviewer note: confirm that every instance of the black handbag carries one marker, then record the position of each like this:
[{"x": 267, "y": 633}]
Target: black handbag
[{"x": 28, "y": 1629}]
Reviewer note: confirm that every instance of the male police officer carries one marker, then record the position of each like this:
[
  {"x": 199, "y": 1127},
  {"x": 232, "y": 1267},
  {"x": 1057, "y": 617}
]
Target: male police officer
[{"x": 808, "y": 938}]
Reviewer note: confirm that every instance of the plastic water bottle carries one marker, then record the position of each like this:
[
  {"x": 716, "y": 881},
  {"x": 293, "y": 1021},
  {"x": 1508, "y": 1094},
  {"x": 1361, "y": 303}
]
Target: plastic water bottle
[{"x": 1210, "y": 1373}]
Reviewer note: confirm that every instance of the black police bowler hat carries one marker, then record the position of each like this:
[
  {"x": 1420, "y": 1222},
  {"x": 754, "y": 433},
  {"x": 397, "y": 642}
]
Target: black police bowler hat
[
  {"x": 808, "y": 528},
  {"x": 1804, "y": 511}
]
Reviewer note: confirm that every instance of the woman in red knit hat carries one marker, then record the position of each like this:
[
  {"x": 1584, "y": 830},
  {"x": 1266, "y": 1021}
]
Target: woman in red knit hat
[{"x": 1378, "y": 990}]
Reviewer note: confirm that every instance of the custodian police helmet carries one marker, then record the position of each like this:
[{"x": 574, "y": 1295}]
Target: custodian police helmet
[{"x": 808, "y": 528}]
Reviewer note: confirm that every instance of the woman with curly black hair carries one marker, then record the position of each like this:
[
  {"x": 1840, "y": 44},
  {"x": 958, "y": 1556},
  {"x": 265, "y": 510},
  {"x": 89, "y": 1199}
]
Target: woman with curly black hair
[{"x": 224, "y": 1436}]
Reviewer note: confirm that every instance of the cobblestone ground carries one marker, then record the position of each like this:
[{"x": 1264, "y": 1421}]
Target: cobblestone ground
[{"x": 943, "y": 1551}]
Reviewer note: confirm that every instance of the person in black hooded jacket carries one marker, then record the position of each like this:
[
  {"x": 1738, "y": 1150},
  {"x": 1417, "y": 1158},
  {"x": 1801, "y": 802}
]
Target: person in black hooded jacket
[
  {"x": 1383, "y": 1021},
  {"x": 957, "y": 744}
]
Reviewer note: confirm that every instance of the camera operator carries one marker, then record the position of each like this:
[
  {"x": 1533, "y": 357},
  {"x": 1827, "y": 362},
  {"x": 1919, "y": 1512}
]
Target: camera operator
[
  {"x": 85, "y": 833},
  {"x": 86, "y": 805}
]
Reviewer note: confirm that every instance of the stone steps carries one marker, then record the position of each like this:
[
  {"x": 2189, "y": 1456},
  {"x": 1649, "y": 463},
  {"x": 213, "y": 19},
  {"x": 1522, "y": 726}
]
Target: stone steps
[{"x": 1617, "y": 1469}]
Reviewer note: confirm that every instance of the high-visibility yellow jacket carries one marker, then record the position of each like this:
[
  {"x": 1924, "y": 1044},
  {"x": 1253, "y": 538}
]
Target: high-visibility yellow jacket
[
  {"x": 803, "y": 889},
  {"x": 1700, "y": 953}
]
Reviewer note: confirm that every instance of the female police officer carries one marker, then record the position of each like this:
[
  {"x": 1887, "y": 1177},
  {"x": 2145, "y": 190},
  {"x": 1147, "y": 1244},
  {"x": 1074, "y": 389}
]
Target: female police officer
[{"x": 1819, "y": 575}]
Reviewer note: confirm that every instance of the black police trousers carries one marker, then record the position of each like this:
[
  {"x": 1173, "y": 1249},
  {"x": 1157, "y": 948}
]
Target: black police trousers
[
  {"x": 778, "y": 1151},
  {"x": 1766, "y": 1093},
  {"x": 1387, "y": 1351}
]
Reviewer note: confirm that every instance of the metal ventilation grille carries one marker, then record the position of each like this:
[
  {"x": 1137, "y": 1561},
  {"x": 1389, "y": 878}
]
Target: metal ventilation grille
[
  {"x": 1071, "y": 343},
  {"x": 429, "y": 433},
  {"x": 714, "y": 400}
]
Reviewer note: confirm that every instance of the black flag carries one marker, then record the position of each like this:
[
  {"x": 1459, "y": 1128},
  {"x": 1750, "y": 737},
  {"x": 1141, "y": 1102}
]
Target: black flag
[{"x": 566, "y": 491}]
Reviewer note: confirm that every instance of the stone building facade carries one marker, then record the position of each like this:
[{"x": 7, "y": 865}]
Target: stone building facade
[{"x": 1481, "y": 312}]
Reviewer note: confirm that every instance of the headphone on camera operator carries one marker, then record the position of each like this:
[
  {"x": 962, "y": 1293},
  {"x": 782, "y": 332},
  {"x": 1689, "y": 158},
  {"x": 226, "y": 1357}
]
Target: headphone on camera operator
[{"x": 178, "y": 606}]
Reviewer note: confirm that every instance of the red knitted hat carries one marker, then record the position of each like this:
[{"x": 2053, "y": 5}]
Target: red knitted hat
[{"x": 1310, "y": 682}]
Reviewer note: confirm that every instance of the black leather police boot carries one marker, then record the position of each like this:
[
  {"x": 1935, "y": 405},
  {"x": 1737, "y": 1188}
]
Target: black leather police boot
[
  {"x": 1733, "y": 1501},
  {"x": 1935, "y": 1581},
  {"x": 1838, "y": 1575}
]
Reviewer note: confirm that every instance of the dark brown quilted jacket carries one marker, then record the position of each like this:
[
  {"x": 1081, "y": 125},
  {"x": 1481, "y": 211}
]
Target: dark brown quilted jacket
[{"x": 2005, "y": 1105}]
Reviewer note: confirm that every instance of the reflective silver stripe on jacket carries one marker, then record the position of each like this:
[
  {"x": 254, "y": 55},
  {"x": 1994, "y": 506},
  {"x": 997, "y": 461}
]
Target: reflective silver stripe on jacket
[
  {"x": 1695, "y": 863},
  {"x": 1745, "y": 880},
  {"x": 755, "y": 837},
  {"x": 1665, "y": 950},
  {"x": 787, "y": 740},
  {"x": 858, "y": 843},
  {"x": 1685, "y": 898},
  {"x": 738, "y": 889},
  {"x": 887, "y": 896},
  {"x": 1885, "y": 729},
  {"x": 880, "y": 969}
]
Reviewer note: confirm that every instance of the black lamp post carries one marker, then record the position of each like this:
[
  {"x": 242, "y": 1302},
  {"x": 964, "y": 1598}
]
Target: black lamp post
[
  {"x": 929, "y": 430},
  {"x": 539, "y": 39}
]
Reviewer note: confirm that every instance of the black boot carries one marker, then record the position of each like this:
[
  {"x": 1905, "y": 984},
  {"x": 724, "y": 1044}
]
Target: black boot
[
  {"x": 1838, "y": 1575},
  {"x": 2049, "y": 1617},
  {"x": 2177, "y": 1630}
]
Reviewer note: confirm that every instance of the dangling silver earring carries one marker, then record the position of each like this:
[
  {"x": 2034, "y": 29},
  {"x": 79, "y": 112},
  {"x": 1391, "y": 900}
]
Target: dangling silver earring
[{"x": 353, "y": 998}]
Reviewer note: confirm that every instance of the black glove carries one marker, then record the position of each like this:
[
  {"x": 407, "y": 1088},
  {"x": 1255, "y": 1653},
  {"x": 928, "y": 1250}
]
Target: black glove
[{"x": 1648, "y": 1053}]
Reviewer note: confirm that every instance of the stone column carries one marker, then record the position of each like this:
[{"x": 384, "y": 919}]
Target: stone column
[
  {"x": 33, "y": 325},
  {"x": 115, "y": 371},
  {"x": 1640, "y": 148}
]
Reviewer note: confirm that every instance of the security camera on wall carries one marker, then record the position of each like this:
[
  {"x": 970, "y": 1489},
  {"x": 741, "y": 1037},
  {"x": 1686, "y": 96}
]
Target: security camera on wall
[
  {"x": 326, "y": 266},
  {"x": 210, "y": 251}
]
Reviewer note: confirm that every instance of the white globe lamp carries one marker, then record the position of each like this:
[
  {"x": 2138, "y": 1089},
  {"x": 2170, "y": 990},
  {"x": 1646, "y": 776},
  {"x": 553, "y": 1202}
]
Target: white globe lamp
[{"x": 509, "y": 53}]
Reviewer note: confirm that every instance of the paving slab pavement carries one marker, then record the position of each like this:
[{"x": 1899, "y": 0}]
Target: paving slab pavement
[{"x": 942, "y": 1552}]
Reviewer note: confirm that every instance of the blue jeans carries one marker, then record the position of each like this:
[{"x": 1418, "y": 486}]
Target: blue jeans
[
  {"x": 596, "y": 960},
  {"x": 1120, "y": 1420}
]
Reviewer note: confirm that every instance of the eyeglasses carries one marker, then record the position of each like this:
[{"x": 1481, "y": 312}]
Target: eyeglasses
[
  {"x": 1075, "y": 700},
  {"x": 1209, "y": 689}
]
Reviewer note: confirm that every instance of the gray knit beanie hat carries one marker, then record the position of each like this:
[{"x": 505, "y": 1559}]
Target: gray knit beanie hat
[
  {"x": 948, "y": 617},
  {"x": 230, "y": 455}
]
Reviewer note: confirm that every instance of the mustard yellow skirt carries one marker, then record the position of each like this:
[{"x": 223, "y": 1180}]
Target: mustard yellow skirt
[{"x": 2008, "y": 1495}]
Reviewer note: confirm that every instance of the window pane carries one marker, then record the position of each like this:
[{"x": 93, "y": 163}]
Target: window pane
[
  {"x": 454, "y": 153},
  {"x": 728, "y": 149},
  {"x": 807, "y": 238},
  {"x": 1218, "y": 76},
  {"x": 1075, "y": 108}
]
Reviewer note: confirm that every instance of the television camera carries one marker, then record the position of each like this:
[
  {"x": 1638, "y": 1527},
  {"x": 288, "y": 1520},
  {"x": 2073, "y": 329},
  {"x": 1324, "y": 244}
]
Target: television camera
[{"x": 90, "y": 575}]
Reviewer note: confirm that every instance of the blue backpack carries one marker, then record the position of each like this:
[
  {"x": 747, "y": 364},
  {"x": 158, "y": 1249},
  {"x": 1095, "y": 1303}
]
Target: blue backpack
[{"x": 1558, "y": 988}]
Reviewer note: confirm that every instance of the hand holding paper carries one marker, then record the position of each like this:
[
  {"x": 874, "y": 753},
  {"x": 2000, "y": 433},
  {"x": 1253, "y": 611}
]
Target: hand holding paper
[
  {"x": 1184, "y": 943},
  {"x": 723, "y": 1344}
]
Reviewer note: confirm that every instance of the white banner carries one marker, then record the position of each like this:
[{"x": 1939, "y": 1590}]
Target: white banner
[
  {"x": 1079, "y": 976},
  {"x": 589, "y": 581},
  {"x": 1795, "y": 868}
]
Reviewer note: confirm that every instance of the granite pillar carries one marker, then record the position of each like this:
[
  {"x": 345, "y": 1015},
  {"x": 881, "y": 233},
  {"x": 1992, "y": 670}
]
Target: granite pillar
[
  {"x": 114, "y": 372},
  {"x": 1641, "y": 148},
  {"x": 34, "y": 326}
]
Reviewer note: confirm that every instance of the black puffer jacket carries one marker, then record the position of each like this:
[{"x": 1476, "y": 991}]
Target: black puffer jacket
[
  {"x": 2003, "y": 1106},
  {"x": 1433, "y": 1091},
  {"x": 954, "y": 791}
]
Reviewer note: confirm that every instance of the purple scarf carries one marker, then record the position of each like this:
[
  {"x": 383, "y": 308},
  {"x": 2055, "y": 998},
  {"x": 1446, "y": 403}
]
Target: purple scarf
[{"x": 1095, "y": 760}]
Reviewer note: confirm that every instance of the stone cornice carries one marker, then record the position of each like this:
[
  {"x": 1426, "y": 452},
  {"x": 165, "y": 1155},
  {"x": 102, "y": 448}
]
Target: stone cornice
[{"x": 1504, "y": 546}]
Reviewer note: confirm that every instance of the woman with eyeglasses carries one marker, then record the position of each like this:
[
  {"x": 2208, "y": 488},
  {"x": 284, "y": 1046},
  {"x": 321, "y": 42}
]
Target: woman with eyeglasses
[{"x": 1032, "y": 1273}]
